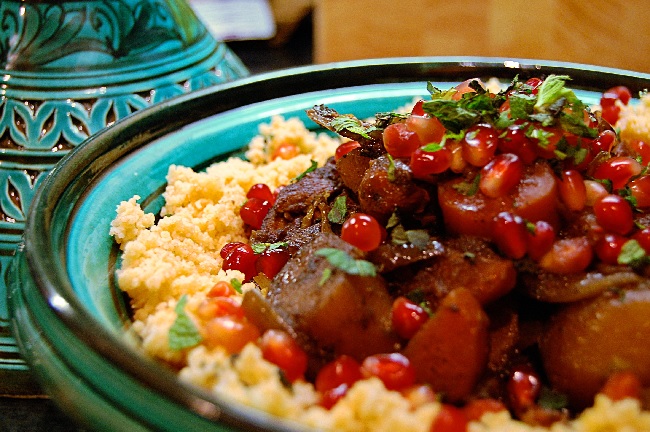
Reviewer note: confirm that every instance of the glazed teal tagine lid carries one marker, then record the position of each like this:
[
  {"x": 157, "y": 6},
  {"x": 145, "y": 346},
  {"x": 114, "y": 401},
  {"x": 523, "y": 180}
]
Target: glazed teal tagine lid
[{"x": 69, "y": 69}]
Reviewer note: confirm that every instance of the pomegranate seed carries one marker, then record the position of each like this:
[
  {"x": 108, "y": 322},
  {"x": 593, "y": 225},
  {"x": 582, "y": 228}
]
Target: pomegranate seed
[
  {"x": 524, "y": 387},
  {"x": 254, "y": 211},
  {"x": 270, "y": 262},
  {"x": 610, "y": 96},
  {"x": 230, "y": 332},
  {"x": 221, "y": 289},
  {"x": 604, "y": 142},
  {"x": 342, "y": 371},
  {"x": 394, "y": 370},
  {"x": 229, "y": 247},
  {"x": 640, "y": 190},
  {"x": 610, "y": 113},
  {"x": 514, "y": 140},
  {"x": 243, "y": 259},
  {"x": 619, "y": 170},
  {"x": 449, "y": 419},
  {"x": 407, "y": 317},
  {"x": 417, "y": 108},
  {"x": 458, "y": 163},
  {"x": 641, "y": 149},
  {"x": 261, "y": 191},
  {"x": 572, "y": 190},
  {"x": 501, "y": 175},
  {"x": 568, "y": 255},
  {"x": 614, "y": 214},
  {"x": 608, "y": 248},
  {"x": 464, "y": 87},
  {"x": 362, "y": 231},
  {"x": 539, "y": 240},
  {"x": 425, "y": 163},
  {"x": 330, "y": 397},
  {"x": 400, "y": 141},
  {"x": 510, "y": 235},
  {"x": 219, "y": 306},
  {"x": 285, "y": 151},
  {"x": 428, "y": 129},
  {"x": 594, "y": 191},
  {"x": 279, "y": 348},
  {"x": 479, "y": 144},
  {"x": 345, "y": 148},
  {"x": 534, "y": 83}
]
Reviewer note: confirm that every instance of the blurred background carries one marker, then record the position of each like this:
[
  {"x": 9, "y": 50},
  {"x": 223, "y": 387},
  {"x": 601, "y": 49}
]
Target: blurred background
[{"x": 611, "y": 33}]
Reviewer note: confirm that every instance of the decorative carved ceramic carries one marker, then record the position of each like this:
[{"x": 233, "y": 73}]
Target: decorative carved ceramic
[{"x": 71, "y": 68}]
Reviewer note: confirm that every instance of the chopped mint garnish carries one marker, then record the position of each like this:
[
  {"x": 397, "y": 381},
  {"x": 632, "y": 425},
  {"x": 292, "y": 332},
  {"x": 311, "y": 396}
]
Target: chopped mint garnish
[
  {"x": 183, "y": 333},
  {"x": 344, "y": 262}
]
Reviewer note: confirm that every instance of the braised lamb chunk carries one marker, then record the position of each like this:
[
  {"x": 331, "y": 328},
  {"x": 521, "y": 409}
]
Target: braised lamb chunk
[
  {"x": 352, "y": 166},
  {"x": 332, "y": 311},
  {"x": 468, "y": 262},
  {"x": 388, "y": 186},
  {"x": 296, "y": 216},
  {"x": 298, "y": 197}
]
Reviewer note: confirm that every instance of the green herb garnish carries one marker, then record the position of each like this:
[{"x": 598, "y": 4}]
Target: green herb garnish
[
  {"x": 183, "y": 333},
  {"x": 346, "y": 263},
  {"x": 338, "y": 211},
  {"x": 258, "y": 248},
  {"x": 311, "y": 168},
  {"x": 391, "y": 168},
  {"x": 236, "y": 284},
  {"x": 467, "y": 188},
  {"x": 632, "y": 254},
  {"x": 351, "y": 124},
  {"x": 327, "y": 273}
]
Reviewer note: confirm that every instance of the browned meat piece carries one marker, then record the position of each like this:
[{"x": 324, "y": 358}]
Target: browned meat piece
[
  {"x": 352, "y": 167},
  {"x": 468, "y": 262},
  {"x": 388, "y": 186},
  {"x": 450, "y": 351},
  {"x": 372, "y": 144},
  {"x": 299, "y": 196},
  {"x": 336, "y": 314},
  {"x": 388, "y": 257},
  {"x": 565, "y": 288},
  {"x": 295, "y": 216}
]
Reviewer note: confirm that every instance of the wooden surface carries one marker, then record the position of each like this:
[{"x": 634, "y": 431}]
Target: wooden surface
[{"x": 613, "y": 33}]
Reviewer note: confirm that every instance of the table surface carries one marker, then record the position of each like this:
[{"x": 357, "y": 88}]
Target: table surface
[{"x": 40, "y": 414}]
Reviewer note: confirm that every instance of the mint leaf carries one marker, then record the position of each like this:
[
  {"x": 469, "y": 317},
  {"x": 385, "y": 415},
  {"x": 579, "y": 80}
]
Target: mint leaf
[
  {"x": 338, "y": 211},
  {"x": 551, "y": 90},
  {"x": 344, "y": 262},
  {"x": 236, "y": 284},
  {"x": 311, "y": 168},
  {"x": 432, "y": 147},
  {"x": 258, "y": 248},
  {"x": 631, "y": 253},
  {"x": 391, "y": 168},
  {"x": 183, "y": 333},
  {"x": 351, "y": 124},
  {"x": 521, "y": 105}
]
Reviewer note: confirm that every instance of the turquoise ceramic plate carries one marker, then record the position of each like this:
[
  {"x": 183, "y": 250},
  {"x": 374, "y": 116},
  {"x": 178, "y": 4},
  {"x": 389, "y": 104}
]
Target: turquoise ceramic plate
[{"x": 69, "y": 317}]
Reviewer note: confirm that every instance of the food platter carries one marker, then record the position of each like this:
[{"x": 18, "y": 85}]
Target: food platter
[{"x": 68, "y": 315}]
